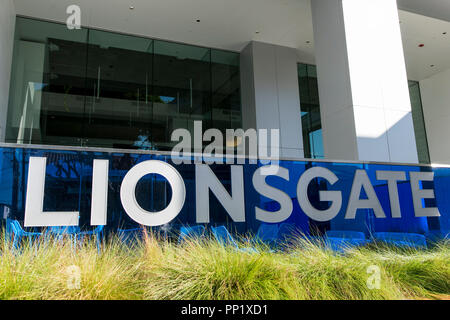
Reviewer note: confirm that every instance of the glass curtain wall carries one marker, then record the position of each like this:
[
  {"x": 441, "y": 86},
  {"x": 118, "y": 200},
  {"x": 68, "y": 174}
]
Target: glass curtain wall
[
  {"x": 118, "y": 110},
  {"x": 419, "y": 122},
  {"x": 48, "y": 84},
  {"x": 311, "y": 121},
  {"x": 310, "y": 111},
  {"x": 182, "y": 87},
  {"x": 226, "y": 90},
  {"x": 103, "y": 89}
]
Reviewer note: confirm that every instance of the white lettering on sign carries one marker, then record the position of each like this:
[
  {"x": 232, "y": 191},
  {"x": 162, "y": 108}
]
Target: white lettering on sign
[
  {"x": 207, "y": 182},
  {"x": 128, "y": 193},
  {"x": 261, "y": 186},
  {"x": 34, "y": 204},
  {"x": 420, "y": 194},
  {"x": 99, "y": 193},
  {"x": 360, "y": 181},
  {"x": 334, "y": 196},
  {"x": 392, "y": 178}
]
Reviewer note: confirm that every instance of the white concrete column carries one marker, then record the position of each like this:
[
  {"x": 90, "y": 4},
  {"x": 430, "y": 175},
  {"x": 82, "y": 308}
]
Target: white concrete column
[
  {"x": 364, "y": 97},
  {"x": 270, "y": 94},
  {"x": 7, "y": 25},
  {"x": 435, "y": 92}
]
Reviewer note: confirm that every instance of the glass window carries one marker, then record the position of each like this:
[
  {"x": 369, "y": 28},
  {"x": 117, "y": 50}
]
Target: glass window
[
  {"x": 182, "y": 89},
  {"x": 95, "y": 88},
  {"x": 419, "y": 123},
  {"x": 310, "y": 111},
  {"x": 48, "y": 84},
  {"x": 226, "y": 94},
  {"x": 118, "y": 106}
]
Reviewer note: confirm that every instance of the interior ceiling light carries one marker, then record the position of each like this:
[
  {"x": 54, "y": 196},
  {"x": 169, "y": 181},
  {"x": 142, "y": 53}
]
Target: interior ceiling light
[{"x": 131, "y": 7}]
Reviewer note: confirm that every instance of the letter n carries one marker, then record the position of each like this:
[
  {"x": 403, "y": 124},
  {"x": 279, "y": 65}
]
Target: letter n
[{"x": 206, "y": 180}]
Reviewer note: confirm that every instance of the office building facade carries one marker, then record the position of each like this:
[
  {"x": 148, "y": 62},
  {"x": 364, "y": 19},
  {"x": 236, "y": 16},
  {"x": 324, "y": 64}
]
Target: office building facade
[{"x": 357, "y": 83}]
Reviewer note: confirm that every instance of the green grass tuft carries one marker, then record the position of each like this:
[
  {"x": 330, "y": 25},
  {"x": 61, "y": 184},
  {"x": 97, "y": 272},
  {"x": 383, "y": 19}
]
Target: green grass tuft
[{"x": 203, "y": 269}]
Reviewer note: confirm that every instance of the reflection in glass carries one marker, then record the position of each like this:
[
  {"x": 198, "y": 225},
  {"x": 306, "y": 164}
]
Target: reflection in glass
[
  {"x": 102, "y": 89},
  {"x": 226, "y": 95},
  {"x": 310, "y": 109},
  {"x": 419, "y": 123},
  {"x": 182, "y": 89},
  {"x": 119, "y": 107},
  {"x": 48, "y": 84}
]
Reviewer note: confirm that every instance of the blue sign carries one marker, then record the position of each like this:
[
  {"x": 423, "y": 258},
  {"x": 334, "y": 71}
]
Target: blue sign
[{"x": 45, "y": 187}]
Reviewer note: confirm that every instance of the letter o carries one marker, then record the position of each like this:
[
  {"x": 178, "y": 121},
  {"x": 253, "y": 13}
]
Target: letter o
[{"x": 128, "y": 193}]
